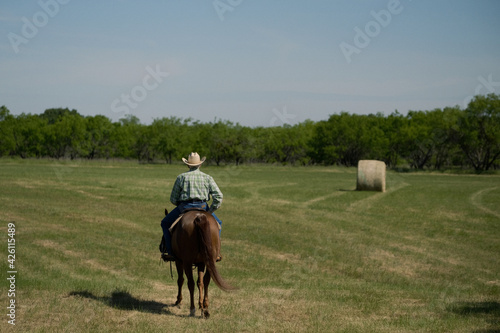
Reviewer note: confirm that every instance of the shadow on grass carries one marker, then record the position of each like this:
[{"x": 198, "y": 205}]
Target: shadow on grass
[
  {"x": 125, "y": 301},
  {"x": 488, "y": 310}
]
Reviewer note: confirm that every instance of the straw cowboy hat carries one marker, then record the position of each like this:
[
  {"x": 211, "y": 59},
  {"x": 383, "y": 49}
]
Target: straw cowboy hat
[{"x": 194, "y": 160}]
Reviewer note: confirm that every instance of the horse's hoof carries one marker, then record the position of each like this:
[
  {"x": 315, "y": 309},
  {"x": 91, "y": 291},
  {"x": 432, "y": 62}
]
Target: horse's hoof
[
  {"x": 193, "y": 313},
  {"x": 206, "y": 314}
]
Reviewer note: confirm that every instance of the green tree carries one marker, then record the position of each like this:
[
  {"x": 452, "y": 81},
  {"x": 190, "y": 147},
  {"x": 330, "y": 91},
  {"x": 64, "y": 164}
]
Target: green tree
[
  {"x": 478, "y": 132},
  {"x": 31, "y": 131},
  {"x": 145, "y": 143},
  {"x": 98, "y": 136},
  {"x": 221, "y": 141},
  {"x": 124, "y": 137},
  {"x": 288, "y": 144},
  {"x": 272, "y": 141},
  {"x": 67, "y": 137},
  {"x": 417, "y": 139},
  {"x": 7, "y": 140},
  {"x": 243, "y": 141},
  {"x": 55, "y": 114},
  {"x": 172, "y": 137},
  {"x": 374, "y": 137},
  {"x": 446, "y": 150},
  {"x": 345, "y": 139},
  {"x": 392, "y": 128}
]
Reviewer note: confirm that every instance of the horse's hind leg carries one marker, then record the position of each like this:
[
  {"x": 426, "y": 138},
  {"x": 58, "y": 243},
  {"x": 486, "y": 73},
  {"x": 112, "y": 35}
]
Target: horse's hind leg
[
  {"x": 206, "y": 282},
  {"x": 201, "y": 282},
  {"x": 180, "y": 281},
  {"x": 190, "y": 283}
]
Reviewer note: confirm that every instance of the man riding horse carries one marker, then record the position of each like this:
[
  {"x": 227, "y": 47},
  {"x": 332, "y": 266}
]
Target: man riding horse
[{"x": 192, "y": 190}]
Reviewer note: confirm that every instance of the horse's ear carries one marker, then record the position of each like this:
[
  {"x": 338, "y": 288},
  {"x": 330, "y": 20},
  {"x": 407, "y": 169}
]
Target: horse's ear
[{"x": 166, "y": 212}]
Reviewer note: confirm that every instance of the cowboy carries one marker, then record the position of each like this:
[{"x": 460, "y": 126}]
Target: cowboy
[{"x": 192, "y": 189}]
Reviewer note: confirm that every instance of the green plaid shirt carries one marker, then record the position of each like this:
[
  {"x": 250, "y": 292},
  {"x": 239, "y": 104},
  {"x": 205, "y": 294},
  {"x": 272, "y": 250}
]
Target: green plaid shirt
[{"x": 193, "y": 185}]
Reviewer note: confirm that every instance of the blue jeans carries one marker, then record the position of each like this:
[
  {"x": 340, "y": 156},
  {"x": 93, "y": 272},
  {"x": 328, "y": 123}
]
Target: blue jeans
[{"x": 168, "y": 220}]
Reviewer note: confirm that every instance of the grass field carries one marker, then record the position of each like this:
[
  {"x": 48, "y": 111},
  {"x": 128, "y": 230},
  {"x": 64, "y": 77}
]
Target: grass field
[{"x": 308, "y": 253}]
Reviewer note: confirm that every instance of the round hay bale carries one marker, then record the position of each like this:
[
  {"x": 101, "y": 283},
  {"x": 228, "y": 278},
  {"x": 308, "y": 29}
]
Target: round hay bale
[{"x": 371, "y": 176}]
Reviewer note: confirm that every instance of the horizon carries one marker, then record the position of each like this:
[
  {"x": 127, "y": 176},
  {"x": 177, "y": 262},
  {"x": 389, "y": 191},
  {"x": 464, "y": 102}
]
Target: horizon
[{"x": 279, "y": 120}]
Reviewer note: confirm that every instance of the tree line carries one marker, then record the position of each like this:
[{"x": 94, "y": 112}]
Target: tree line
[{"x": 438, "y": 139}]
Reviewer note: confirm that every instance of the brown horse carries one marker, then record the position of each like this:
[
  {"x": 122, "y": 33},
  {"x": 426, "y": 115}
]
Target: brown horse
[{"x": 196, "y": 242}]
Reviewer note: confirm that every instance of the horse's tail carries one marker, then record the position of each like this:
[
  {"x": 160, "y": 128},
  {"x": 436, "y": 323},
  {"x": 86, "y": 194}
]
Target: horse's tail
[{"x": 203, "y": 229}]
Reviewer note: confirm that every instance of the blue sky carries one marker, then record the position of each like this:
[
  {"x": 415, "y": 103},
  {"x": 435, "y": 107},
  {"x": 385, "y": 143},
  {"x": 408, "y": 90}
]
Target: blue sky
[{"x": 255, "y": 62}]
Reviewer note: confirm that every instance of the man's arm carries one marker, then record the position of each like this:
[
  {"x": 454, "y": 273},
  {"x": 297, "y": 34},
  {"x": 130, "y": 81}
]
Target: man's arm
[
  {"x": 216, "y": 194},
  {"x": 176, "y": 191}
]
